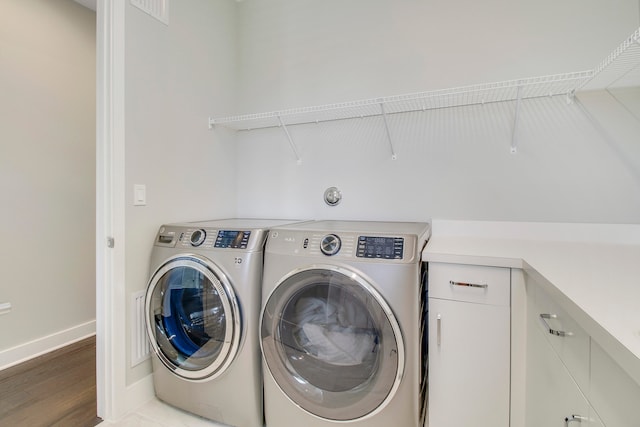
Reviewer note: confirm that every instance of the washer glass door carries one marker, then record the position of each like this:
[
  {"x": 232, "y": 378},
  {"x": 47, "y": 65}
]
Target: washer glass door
[
  {"x": 332, "y": 344},
  {"x": 193, "y": 317}
]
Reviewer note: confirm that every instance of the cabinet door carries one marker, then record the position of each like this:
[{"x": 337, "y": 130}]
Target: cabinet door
[
  {"x": 469, "y": 364},
  {"x": 552, "y": 394},
  {"x": 614, "y": 394}
]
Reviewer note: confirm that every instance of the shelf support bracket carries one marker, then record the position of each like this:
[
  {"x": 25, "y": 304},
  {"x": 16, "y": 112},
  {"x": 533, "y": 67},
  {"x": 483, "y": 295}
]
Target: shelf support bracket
[
  {"x": 291, "y": 143},
  {"x": 571, "y": 95},
  {"x": 514, "y": 134},
  {"x": 386, "y": 127}
]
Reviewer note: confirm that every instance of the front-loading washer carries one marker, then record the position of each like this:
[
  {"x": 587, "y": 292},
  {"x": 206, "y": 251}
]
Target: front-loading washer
[
  {"x": 202, "y": 314},
  {"x": 340, "y": 327}
]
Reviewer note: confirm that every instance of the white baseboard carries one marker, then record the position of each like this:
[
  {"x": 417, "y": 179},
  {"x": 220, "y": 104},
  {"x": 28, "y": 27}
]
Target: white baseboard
[
  {"x": 139, "y": 393},
  {"x": 23, "y": 352}
]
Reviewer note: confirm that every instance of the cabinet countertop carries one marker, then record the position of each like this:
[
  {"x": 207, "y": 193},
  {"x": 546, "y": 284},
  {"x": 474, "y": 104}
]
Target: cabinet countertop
[{"x": 593, "y": 271}]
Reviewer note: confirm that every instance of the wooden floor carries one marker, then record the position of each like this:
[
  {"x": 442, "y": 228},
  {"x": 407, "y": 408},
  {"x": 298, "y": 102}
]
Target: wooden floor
[{"x": 56, "y": 389}]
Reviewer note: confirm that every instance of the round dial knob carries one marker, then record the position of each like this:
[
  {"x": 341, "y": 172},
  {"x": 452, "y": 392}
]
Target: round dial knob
[
  {"x": 330, "y": 244},
  {"x": 197, "y": 237}
]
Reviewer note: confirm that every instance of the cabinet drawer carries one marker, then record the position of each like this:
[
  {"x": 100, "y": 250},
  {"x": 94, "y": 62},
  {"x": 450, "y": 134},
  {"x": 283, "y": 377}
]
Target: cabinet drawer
[
  {"x": 567, "y": 338},
  {"x": 470, "y": 283}
]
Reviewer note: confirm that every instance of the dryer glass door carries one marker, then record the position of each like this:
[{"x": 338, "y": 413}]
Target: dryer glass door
[
  {"x": 332, "y": 344},
  {"x": 193, "y": 317}
]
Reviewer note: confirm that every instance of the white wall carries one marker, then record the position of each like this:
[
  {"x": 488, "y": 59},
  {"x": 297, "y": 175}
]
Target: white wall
[
  {"x": 224, "y": 57},
  {"x": 452, "y": 163},
  {"x": 176, "y": 75},
  {"x": 47, "y": 174}
]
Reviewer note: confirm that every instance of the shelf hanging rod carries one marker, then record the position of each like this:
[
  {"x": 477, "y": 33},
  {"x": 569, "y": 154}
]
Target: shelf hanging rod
[
  {"x": 291, "y": 143},
  {"x": 386, "y": 127}
]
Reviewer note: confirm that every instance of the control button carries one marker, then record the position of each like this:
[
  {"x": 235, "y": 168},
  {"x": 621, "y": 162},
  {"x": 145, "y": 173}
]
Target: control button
[
  {"x": 330, "y": 244},
  {"x": 198, "y": 237}
]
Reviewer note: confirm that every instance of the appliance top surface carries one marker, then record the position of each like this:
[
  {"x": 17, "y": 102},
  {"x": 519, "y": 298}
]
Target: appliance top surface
[
  {"x": 238, "y": 223},
  {"x": 385, "y": 227}
]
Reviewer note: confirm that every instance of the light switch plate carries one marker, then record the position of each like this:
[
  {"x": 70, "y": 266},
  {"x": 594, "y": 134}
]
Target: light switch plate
[{"x": 139, "y": 195}]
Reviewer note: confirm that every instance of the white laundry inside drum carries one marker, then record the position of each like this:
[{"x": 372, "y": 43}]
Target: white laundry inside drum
[{"x": 334, "y": 333}]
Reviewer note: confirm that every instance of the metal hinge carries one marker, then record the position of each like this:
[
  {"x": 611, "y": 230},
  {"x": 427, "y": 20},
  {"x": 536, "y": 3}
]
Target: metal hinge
[{"x": 111, "y": 242}]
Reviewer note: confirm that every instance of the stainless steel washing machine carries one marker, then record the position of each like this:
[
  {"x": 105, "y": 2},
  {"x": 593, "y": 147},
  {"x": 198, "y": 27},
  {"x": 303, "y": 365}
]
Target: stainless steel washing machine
[
  {"x": 202, "y": 311},
  {"x": 340, "y": 327}
]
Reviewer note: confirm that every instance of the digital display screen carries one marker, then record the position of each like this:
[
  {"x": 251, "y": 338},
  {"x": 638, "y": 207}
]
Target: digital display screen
[
  {"x": 380, "y": 247},
  {"x": 232, "y": 239}
]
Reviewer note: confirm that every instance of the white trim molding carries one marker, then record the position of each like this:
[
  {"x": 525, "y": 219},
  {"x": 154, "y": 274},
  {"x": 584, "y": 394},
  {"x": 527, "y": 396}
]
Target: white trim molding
[
  {"x": 110, "y": 277},
  {"x": 32, "y": 349}
]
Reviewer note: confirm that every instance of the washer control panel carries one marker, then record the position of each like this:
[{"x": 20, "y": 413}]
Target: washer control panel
[
  {"x": 205, "y": 238},
  {"x": 232, "y": 239}
]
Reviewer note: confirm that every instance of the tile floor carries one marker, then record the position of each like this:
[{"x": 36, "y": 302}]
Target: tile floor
[{"x": 158, "y": 414}]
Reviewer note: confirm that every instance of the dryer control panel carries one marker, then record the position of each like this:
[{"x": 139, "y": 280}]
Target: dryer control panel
[
  {"x": 342, "y": 246},
  {"x": 351, "y": 241},
  {"x": 380, "y": 247}
]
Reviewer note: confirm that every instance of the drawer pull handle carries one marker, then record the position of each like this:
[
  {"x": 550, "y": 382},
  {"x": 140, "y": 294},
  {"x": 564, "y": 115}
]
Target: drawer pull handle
[
  {"x": 470, "y": 285},
  {"x": 544, "y": 317},
  {"x": 573, "y": 418}
]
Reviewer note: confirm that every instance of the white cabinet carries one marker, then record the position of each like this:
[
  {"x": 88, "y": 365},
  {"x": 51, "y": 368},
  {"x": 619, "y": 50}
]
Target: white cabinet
[
  {"x": 469, "y": 345},
  {"x": 569, "y": 375},
  {"x": 553, "y": 397},
  {"x": 563, "y": 333}
]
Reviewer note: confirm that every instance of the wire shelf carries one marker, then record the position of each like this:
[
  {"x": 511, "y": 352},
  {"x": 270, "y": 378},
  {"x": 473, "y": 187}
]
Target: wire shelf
[
  {"x": 553, "y": 85},
  {"x": 620, "y": 69}
]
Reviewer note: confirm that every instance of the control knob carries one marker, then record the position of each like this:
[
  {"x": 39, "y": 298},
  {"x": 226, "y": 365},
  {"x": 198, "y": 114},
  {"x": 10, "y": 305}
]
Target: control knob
[
  {"x": 198, "y": 237},
  {"x": 330, "y": 244}
]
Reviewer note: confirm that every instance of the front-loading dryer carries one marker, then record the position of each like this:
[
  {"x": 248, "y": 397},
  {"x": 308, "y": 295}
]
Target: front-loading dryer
[
  {"x": 202, "y": 313},
  {"x": 341, "y": 324}
]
